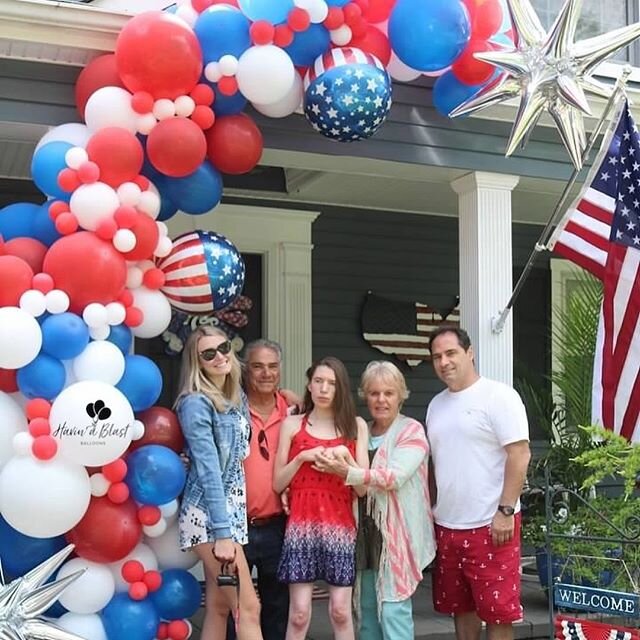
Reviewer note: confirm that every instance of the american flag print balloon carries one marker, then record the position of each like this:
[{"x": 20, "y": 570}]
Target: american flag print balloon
[
  {"x": 347, "y": 94},
  {"x": 204, "y": 272}
]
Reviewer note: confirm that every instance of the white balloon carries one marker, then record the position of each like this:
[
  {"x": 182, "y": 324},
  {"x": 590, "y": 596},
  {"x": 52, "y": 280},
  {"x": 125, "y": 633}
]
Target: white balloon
[
  {"x": 89, "y": 593},
  {"x": 287, "y": 105},
  {"x": 74, "y": 133},
  {"x": 91, "y": 440},
  {"x": 33, "y": 302},
  {"x": 20, "y": 338},
  {"x": 99, "y": 485},
  {"x": 110, "y": 107},
  {"x": 43, "y": 499},
  {"x": 100, "y": 333},
  {"x": 341, "y": 36},
  {"x": 13, "y": 421},
  {"x": 168, "y": 552},
  {"x": 188, "y": 14},
  {"x": 124, "y": 240},
  {"x": 57, "y": 301},
  {"x": 164, "y": 247},
  {"x": 143, "y": 554},
  {"x": 149, "y": 203},
  {"x": 93, "y": 203},
  {"x": 134, "y": 277},
  {"x": 169, "y": 511},
  {"x": 116, "y": 313},
  {"x": 129, "y": 193},
  {"x": 146, "y": 123},
  {"x": 137, "y": 430},
  {"x": 100, "y": 360},
  {"x": 88, "y": 626},
  {"x": 318, "y": 12},
  {"x": 212, "y": 72},
  {"x": 156, "y": 312},
  {"x": 95, "y": 314},
  {"x": 265, "y": 74},
  {"x": 398, "y": 70},
  {"x": 22, "y": 443},
  {"x": 76, "y": 157},
  {"x": 184, "y": 106},
  {"x": 228, "y": 65},
  {"x": 164, "y": 108},
  {"x": 155, "y": 530},
  {"x": 70, "y": 376}
]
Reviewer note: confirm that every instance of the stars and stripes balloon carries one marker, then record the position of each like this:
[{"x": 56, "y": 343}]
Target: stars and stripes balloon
[
  {"x": 204, "y": 272},
  {"x": 347, "y": 94}
]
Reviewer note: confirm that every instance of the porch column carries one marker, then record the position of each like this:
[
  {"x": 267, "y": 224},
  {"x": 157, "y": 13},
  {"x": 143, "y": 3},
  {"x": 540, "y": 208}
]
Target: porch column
[{"x": 486, "y": 265}]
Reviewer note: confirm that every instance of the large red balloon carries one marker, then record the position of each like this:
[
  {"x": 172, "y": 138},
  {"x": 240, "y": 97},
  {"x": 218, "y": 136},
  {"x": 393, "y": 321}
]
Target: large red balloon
[
  {"x": 176, "y": 147},
  {"x": 234, "y": 144},
  {"x": 375, "y": 42},
  {"x": 146, "y": 232},
  {"x": 100, "y": 72},
  {"x": 379, "y": 10},
  {"x": 107, "y": 532},
  {"x": 16, "y": 276},
  {"x": 30, "y": 250},
  {"x": 86, "y": 268},
  {"x": 8, "y": 380},
  {"x": 161, "y": 427},
  {"x": 158, "y": 53},
  {"x": 485, "y": 17},
  {"x": 118, "y": 153}
]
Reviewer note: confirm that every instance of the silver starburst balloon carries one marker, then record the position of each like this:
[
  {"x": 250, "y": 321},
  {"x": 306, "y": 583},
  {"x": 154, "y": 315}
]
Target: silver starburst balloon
[
  {"x": 24, "y": 600},
  {"x": 549, "y": 71}
]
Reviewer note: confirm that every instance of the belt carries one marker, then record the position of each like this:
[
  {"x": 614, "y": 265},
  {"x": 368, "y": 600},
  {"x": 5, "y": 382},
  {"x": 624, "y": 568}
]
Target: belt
[{"x": 263, "y": 522}]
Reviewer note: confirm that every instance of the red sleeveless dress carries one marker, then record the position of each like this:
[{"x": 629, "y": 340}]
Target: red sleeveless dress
[{"x": 319, "y": 541}]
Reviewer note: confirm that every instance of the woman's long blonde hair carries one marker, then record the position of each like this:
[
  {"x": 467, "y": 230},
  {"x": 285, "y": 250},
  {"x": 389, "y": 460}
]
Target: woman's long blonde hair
[{"x": 193, "y": 379}]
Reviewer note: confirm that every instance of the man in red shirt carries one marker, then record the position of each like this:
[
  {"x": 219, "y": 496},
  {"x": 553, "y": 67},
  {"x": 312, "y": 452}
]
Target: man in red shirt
[{"x": 268, "y": 408}]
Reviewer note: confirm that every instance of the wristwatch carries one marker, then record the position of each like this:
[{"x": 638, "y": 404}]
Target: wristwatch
[{"x": 506, "y": 510}]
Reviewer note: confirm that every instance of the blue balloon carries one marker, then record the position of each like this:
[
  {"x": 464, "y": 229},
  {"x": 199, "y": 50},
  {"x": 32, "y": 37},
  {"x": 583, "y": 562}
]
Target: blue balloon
[
  {"x": 17, "y": 220},
  {"x": 43, "y": 377},
  {"x": 429, "y": 36},
  {"x": 179, "y": 596},
  {"x": 221, "y": 30},
  {"x": 227, "y": 105},
  {"x": 274, "y": 11},
  {"x": 121, "y": 336},
  {"x": 64, "y": 335},
  {"x": 46, "y": 164},
  {"x": 199, "y": 192},
  {"x": 337, "y": 3},
  {"x": 44, "y": 229},
  {"x": 308, "y": 45},
  {"x": 449, "y": 92},
  {"x": 167, "y": 208},
  {"x": 141, "y": 382},
  {"x": 155, "y": 474},
  {"x": 20, "y": 553},
  {"x": 130, "y": 619}
]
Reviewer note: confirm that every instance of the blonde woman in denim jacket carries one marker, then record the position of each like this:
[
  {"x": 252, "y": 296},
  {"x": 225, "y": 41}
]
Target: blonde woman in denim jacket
[{"x": 214, "y": 416}]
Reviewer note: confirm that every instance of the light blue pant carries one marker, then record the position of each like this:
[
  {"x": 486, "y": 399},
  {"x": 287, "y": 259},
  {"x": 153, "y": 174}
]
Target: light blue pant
[{"x": 397, "y": 617}]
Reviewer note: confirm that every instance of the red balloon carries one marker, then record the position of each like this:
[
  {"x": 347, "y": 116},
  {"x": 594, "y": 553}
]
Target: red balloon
[
  {"x": 176, "y": 147},
  {"x": 147, "y": 234},
  {"x": 118, "y": 153},
  {"x": 469, "y": 70},
  {"x": 30, "y": 250},
  {"x": 234, "y": 144},
  {"x": 100, "y": 72},
  {"x": 107, "y": 532},
  {"x": 158, "y": 53},
  {"x": 374, "y": 42},
  {"x": 161, "y": 427},
  {"x": 15, "y": 276},
  {"x": 485, "y": 17},
  {"x": 8, "y": 382},
  {"x": 86, "y": 268},
  {"x": 379, "y": 10}
]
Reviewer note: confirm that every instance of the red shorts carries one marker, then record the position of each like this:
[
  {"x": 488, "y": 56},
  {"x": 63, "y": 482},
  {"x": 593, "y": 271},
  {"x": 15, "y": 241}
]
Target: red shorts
[{"x": 471, "y": 574}]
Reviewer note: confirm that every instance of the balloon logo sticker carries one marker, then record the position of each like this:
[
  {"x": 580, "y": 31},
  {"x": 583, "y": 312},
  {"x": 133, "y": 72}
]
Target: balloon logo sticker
[{"x": 91, "y": 433}]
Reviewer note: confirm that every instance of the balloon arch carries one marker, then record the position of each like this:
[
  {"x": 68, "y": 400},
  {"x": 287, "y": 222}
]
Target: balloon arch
[{"x": 86, "y": 456}]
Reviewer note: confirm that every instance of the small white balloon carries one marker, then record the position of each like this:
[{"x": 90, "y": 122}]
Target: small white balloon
[
  {"x": 89, "y": 593},
  {"x": 99, "y": 485},
  {"x": 184, "y": 106},
  {"x": 149, "y": 203},
  {"x": 156, "y": 312},
  {"x": 22, "y": 443},
  {"x": 341, "y": 36},
  {"x": 163, "y": 109},
  {"x": 14, "y": 422},
  {"x": 318, "y": 12},
  {"x": 228, "y": 65},
  {"x": 110, "y": 107},
  {"x": 398, "y": 70},
  {"x": 124, "y": 240},
  {"x": 129, "y": 193},
  {"x": 137, "y": 430},
  {"x": 163, "y": 230},
  {"x": 20, "y": 338},
  {"x": 169, "y": 510},
  {"x": 72, "y": 132},
  {"x": 88, "y": 625},
  {"x": 100, "y": 333},
  {"x": 95, "y": 314},
  {"x": 93, "y": 203},
  {"x": 57, "y": 301},
  {"x": 167, "y": 550},
  {"x": 134, "y": 277},
  {"x": 188, "y": 14},
  {"x": 76, "y": 157},
  {"x": 163, "y": 248},
  {"x": 101, "y": 361},
  {"x": 33, "y": 302},
  {"x": 265, "y": 74},
  {"x": 155, "y": 530},
  {"x": 145, "y": 123},
  {"x": 287, "y": 105},
  {"x": 212, "y": 72},
  {"x": 116, "y": 313}
]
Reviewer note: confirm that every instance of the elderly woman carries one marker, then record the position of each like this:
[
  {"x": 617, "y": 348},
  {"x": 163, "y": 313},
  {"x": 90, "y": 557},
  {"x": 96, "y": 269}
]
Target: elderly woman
[{"x": 395, "y": 539}]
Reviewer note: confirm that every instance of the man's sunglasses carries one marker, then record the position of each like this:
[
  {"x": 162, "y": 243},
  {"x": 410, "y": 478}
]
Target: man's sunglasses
[
  {"x": 209, "y": 354},
  {"x": 263, "y": 445}
]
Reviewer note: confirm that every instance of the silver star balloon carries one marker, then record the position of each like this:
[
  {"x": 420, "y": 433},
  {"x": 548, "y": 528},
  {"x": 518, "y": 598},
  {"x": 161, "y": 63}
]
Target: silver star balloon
[
  {"x": 24, "y": 600},
  {"x": 549, "y": 71}
]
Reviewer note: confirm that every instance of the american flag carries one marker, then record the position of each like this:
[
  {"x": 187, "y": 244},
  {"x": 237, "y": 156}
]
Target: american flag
[
  {"x": 402, "y": 328},
  {"x": 578, "y": 629},
  {"x": 601, "y": 233}
]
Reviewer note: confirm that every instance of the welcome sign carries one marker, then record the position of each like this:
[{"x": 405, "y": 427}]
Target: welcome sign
[{"x": 616, "y": 603}]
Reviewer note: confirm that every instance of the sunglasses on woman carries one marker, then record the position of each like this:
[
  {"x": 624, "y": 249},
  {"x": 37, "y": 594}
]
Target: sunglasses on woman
[{"x": 209, "y": 354}]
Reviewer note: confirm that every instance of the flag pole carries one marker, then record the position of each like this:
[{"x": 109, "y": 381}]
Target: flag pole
[{"x": 497, "y": 323}]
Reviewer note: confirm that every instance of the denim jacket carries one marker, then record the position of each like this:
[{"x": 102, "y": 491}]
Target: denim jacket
[{"x": 216, "y": 447}]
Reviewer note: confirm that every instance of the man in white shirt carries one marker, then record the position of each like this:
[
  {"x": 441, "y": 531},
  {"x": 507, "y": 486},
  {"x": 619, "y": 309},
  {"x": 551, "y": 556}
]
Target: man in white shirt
[{"x": 479, "y": 439}]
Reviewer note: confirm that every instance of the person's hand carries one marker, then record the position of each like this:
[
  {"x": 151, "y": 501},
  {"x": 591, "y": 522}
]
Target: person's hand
[
  {"x": 309, "y": 455},
  {"x": 293, "y": 399},
  {"x": 331, "y": 462},
  {"x": 502, "y": 528},
  {"x": 284, "y": 499},
  {"x": 224, "y": 551},
  {"x": 186, "y": 461}
]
